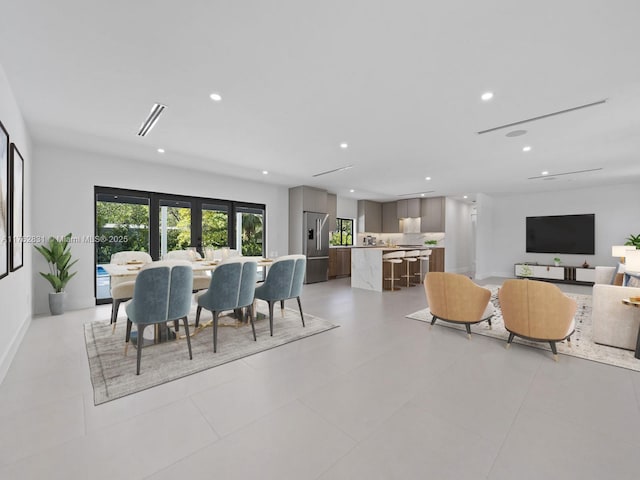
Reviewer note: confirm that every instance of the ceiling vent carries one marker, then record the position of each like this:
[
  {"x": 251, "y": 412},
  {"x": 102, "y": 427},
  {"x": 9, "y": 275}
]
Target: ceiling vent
[
  {"x": 549, "y": 177},
  {"x": 417, "y": 194},
  {"x": 333, "y": 171},
  {"x": 541, "y": 117},
  {"x": 151, "y": 120}
]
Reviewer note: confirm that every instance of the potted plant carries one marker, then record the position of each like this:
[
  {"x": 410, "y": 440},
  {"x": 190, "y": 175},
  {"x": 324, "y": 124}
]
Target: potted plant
[
  {"x": 58, "y": 256},
  {"x": 556, "y": 261},
  {"x": 633, "y": 240},
  {"x": 431, "y": 243}
]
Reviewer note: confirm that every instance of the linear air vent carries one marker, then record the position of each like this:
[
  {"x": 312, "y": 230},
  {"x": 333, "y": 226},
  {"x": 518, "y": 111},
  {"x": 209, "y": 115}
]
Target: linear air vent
[
  {"x": 564, "y": 173},
  {"x": 414, "y": 194},
  {"x": 333, "y": 171},
  {"x": 541, "y": 117},
  {"x": 151, "y": 120}
]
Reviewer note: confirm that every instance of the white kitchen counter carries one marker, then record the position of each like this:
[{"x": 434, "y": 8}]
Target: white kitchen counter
[{"x": 366, "y": 266}]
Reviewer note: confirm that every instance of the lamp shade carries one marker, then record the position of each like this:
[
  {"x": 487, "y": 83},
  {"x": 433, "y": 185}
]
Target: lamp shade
[
  {"x": 633, "y": 261},
  {"x": 621, "y": 250}
]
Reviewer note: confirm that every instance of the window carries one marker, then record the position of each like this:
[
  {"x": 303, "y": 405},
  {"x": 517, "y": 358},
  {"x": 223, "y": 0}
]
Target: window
[{"x": 343, "y": 234}]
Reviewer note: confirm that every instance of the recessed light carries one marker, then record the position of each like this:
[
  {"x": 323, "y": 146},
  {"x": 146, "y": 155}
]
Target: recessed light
[
  {"x": 486, "y": 96},
  {"x": 344, "y": 145},
  {"x": 265, "y": 172},
  {"x": 544, "y": 173},
  {"x": 216, "y": 97},
  {"x": 427, "y": 178},
  {"x": 422, "y": 194},
  {"x": 351, "y": 191},
  {"x": 465, "y": 197},
  {"x": 526, "y": 148},
  {"x": 161, "y": 150}
]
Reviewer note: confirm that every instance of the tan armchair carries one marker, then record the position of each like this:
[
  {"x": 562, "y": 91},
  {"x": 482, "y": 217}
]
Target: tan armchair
[
  {"x": 537, "y": 311},
  {"x": 455, "y": 298}
]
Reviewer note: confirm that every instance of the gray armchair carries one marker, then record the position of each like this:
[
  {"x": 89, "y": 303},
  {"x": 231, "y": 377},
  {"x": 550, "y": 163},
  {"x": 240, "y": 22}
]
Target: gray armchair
[
  {"x": 162, "y": 294},
  {"x": 284, "y": 281},
  {"x": 231, "y": 288}
]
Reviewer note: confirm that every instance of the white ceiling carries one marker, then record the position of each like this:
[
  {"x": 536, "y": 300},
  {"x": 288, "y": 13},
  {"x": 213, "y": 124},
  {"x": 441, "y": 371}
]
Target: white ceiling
[{"x": 400, "y": 81}]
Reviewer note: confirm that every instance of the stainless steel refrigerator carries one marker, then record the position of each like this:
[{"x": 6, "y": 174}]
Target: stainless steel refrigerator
[{"x": 316, "y": 246}]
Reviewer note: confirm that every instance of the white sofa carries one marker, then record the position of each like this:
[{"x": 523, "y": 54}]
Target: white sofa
[{"x": 614, "y": 323}]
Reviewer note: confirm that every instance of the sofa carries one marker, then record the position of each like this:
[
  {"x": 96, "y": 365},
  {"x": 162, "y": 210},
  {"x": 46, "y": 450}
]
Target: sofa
[{"x": 614, "y": 323}]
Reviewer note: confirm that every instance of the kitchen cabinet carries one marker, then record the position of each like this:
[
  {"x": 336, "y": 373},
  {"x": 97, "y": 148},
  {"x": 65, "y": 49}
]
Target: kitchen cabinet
[
  {"x": 332, "y": 210},
  {"x": 390, "y": 222},
  {"x": 339, "y": 262},
  {"x": 314, "y": 200},
  {"x": 369, "y": 216},
  {"x": 409, "y": 208},
  {"x": 433, "y": 214}
]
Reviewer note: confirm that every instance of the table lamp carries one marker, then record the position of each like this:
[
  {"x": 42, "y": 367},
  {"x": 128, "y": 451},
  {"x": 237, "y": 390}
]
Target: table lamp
[
  {"x": 633, "y": 261},
  {"x": 621, "y": 251}
]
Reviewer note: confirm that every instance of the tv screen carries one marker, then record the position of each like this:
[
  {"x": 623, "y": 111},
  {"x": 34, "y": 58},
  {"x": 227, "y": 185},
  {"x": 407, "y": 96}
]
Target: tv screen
[{"x": 561, "y": 234}]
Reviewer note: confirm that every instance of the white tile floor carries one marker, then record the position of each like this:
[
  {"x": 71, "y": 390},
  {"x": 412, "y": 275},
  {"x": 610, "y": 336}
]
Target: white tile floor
[{"x": 382, "y": 397}]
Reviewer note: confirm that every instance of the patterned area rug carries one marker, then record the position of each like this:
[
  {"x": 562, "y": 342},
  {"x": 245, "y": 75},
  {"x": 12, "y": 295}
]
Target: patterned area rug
[
  {"x": 581, "y": 344},
  {"x": 113, "y": 375}
]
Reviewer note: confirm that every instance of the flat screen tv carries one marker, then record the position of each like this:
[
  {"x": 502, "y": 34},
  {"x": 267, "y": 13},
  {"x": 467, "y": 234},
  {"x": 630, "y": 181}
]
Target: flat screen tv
[{"x": 561, "y": 234}]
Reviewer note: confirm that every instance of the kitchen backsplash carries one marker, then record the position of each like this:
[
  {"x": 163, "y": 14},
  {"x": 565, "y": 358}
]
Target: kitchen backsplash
[{"x": 401, "y": 238}]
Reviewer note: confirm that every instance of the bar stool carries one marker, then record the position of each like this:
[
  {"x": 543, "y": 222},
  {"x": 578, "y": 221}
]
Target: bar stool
[
  {"x": 410, "y": 257},
  {"x": 424, "y": 256},
  {"x": 392, "y": 258}
]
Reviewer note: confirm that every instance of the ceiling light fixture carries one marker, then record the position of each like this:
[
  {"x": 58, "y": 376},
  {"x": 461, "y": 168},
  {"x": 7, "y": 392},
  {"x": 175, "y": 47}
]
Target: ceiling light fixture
[
  {"x": 344, "y": 145},
  {"x": 422, "y": 194},
  {"x": 465, "y": 197},
  {"x": 161, "y": 150},
  {"x": 544, "y": 173},
  {"x": 486, "y": 96},
  {"x": 427, "y": 178},
  {"x": 526, "y": 148},
  {"x": 216, "y": 97},
  {"x": 265, "y": 172},
  {"x": 333, "y": 171},
  {"x": 351, "y": 191},
  {"x": 151, "y": 120}
]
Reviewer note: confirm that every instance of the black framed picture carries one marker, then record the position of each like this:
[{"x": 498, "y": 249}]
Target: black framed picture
[
  {"x": 4, "y": 201},
  {"x": 17, "y": 208}
]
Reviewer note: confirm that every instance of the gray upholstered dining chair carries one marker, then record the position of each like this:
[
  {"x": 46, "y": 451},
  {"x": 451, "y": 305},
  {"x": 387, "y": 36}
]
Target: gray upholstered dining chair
[
  {"x": 162, "y": 294},
  {"x": 122, "y": 288},
  {"x": 284, "y": 281},
  {"x": 201, "y": 280},
  {"x": 232, "y": 287}
]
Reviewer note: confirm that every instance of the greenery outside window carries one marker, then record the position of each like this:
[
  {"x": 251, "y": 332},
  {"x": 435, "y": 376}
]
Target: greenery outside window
[{"x": 343, "y": 234}]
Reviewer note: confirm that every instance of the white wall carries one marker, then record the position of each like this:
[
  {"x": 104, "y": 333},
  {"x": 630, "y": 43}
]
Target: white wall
[
  {"x": 459, "y": 245},
  {"x": 616, "y": 217},
  {"x": 15, "y": 289},
  {"x": 63, "y": 185}
]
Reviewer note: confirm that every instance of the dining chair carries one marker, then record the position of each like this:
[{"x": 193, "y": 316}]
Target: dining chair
[
  {"x": 232, "y": 288},
  {"x": 284, "y": 281},
  {"x": 121, "y": 288},
  {"x": 162, "y": 294},
  {"x": 200, "y": 279}
]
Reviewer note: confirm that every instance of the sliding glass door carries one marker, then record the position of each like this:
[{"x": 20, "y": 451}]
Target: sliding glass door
[{"x": 174, "y": 229}]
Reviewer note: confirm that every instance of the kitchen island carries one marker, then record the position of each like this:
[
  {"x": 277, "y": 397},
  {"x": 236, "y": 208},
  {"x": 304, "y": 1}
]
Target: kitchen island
[{"x": 368, "y": 271}]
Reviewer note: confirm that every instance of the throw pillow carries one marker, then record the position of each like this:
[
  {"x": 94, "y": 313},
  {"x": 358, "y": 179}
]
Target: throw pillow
[
  {"x": 632, "y": 280},
  {"x": 618, "y": 275}
]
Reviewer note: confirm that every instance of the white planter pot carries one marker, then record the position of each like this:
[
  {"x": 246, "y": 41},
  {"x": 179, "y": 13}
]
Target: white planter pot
[{"x": 56, "y": 303}]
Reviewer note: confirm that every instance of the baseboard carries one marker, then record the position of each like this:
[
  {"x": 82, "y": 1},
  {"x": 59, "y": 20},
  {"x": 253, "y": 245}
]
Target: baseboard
[{"x": 10, "y": 353}]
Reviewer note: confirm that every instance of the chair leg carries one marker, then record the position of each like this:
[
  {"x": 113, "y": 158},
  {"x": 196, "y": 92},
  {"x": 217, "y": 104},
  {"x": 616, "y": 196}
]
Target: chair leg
[
  {"x": 253, "y": 327},
  {"x": 186, "y": 331},
  {"x": 215, "y": 332},
  {"x": 127, "y": 337},
  {"x": 468, "y": 327},
  {"x": 115, "y": 307},
  {"x": 552, "y": 344},
  {"x": 141, "y": 327},
  {"x": 198, "y": 315},
  {"x": 489, "y": 322},
  {"x": 300, "y": 307},
  {"x": 176, "y": 327},
  {"x": 433, "y": 319},
  {"x": 511, "y": 335},
  {"x": 282, "y": 308},
  {"x": 270, "y": 317},
  {"x": 569, "y": 341}
]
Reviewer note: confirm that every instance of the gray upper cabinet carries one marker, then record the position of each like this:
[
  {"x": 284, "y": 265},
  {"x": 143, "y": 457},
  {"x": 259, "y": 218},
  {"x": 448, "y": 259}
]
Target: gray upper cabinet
[
  {"x": 390, "y": 222},
  {"x": 314, "y": 200},
  {"x": 409, "y": 208},
  {"x": 432, "y": 218},
  {"x": 369, "y": 216},
  {"x": 332, "y": 210}
]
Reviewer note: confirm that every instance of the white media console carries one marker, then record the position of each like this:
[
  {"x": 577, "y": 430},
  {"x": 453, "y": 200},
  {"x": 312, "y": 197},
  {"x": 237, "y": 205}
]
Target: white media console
[{"x": 551, "y": 273}]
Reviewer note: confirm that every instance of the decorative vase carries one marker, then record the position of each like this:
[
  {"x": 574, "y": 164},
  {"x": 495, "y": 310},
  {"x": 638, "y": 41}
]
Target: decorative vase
[
  {"x": 56, "y": 303},
  {"x": 557, "y": 264}
]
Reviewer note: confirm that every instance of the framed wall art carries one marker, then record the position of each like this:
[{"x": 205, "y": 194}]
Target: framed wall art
[
  {"x": 17, "y": 208},
  {"x": 4, "y": 202}
]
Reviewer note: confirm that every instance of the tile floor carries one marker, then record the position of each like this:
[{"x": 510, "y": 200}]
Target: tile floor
[{"x": 381, "y": 397}]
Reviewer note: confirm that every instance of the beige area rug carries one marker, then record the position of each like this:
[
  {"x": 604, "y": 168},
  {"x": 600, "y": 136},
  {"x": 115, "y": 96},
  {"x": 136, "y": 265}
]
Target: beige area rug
[
  {"x": 581, "y": 344},
  {"x": 113, "y": 375}
]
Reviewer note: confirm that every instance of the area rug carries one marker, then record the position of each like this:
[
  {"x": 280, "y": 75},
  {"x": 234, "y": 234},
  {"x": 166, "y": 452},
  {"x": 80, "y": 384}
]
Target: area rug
[
  {"x": 581, "y": 344},
  {"x": 113, "y": 375}
]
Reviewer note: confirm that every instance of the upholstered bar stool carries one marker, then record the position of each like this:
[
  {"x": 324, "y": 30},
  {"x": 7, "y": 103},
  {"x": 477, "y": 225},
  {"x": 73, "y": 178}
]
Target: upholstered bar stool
[
  {"x": 424, "y": 257},
  {"x": 392, "y": 258},
  {"x": 409, "y": 258}
]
